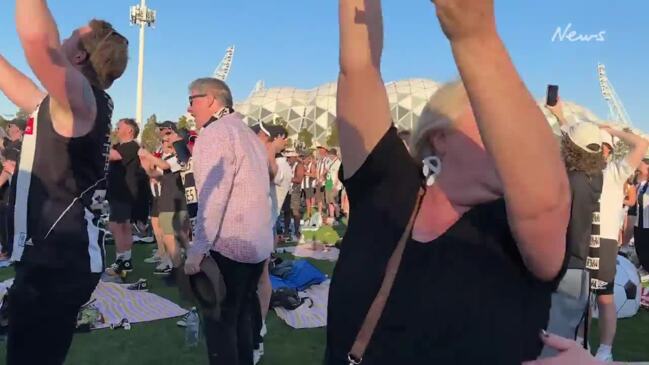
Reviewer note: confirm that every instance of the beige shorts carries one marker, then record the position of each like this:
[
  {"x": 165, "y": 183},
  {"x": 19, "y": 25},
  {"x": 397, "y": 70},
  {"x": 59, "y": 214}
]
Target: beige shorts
[{"x": 173, "y": 222}]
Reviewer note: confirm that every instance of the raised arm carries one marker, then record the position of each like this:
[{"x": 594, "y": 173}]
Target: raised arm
[
  {"x": 638, "y": 144},
  {"x": 515, "y": 133},
  {"x": 363, "y": 110},
  {"x": 72, "y": 97},
  {"x": 18, "y": 88},
  {"x": 557, "y": 111}
]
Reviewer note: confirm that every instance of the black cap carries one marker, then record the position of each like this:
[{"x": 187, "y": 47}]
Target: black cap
[
  {"x": 167, "y": 124},
  {"x": 18, "y": 122},
  {"x": 262, "y": 127},
  {"x": 277, "y": 131}
]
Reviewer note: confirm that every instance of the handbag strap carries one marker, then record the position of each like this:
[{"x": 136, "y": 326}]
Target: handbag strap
[{"x": 355, "y": 356}]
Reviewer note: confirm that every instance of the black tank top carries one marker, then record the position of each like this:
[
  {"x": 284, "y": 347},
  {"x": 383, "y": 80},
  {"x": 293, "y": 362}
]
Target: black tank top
[{"x": 67, "y": 174}]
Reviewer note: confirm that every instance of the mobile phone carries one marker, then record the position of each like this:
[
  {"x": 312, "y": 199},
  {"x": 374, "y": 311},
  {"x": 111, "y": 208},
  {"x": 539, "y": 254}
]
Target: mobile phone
[{"x": 553, "y": 95}]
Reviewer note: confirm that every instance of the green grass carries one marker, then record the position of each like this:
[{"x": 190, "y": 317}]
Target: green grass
[{"x": 161, "y": 342}]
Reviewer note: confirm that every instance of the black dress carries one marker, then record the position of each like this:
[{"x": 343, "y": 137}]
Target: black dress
[{"x": 466, "y": 298}]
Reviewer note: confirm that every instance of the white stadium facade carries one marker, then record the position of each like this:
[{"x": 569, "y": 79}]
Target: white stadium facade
[{"x": 315, "y": 109}]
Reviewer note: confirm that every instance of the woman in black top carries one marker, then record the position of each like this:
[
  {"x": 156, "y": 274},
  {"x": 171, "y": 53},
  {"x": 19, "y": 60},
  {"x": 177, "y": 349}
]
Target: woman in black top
[{"x": 488, "y": 243}]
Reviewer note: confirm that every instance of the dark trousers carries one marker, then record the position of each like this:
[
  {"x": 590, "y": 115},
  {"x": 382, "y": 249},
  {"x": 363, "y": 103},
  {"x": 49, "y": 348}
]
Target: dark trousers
[
  {"x": 6, "y": 228},
  {"x": 641, "y": 239},
  {"x": 43, "y": 307},
  {"x": 230, "y": 339}
]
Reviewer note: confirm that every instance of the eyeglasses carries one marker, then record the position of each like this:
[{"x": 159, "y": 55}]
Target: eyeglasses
[{"x": 192, "y": 97}]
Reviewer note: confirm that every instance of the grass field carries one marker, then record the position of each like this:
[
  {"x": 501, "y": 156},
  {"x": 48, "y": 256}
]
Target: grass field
[{"x": 162, "y": 342}]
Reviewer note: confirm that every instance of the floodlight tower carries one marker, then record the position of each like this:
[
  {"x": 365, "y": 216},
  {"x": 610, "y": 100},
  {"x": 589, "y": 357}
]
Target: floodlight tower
[
  {"x": 223, "y": 69},
  {"x": 617, "y": 112},
  {"x": 144, "y": 17}
]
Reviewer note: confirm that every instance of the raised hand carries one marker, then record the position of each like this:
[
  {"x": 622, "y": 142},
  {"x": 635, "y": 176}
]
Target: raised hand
[
  {"x": 466, "y": 19},
  {"x": 557, "y": 109}
]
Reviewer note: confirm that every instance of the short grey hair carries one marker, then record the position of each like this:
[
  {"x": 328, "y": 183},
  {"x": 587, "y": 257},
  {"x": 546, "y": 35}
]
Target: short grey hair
[{"x": 215, "y": 87}]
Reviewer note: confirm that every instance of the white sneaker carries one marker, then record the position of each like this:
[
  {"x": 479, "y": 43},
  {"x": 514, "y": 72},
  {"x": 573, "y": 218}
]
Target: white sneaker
[
  {"x": 154, "y": 259},
  {"x": 257, "y": 354},
  {"x": 606, "y": 357}
]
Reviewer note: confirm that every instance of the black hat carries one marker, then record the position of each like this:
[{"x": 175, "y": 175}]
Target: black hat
[
  {"x": 207, "y": 287},
  {"x": 262, "y": 127},
  {"x": 277, "y": 131},
  {"x": 18, "y": 122},
  {"x": 167, "y": 124}
]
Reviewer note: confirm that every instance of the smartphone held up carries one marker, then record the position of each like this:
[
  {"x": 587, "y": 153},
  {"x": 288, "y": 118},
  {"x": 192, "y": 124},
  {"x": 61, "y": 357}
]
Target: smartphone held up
[{"x": 552, "y": 95}]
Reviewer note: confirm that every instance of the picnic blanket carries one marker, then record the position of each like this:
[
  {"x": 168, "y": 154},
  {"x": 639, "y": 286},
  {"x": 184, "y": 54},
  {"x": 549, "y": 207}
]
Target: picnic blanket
[
  {"x": 116, "y": 302},
  {"x": 301, "y": 276},
  {"x": 306, "y": 316},
  {"x": 307, "y": 251}
]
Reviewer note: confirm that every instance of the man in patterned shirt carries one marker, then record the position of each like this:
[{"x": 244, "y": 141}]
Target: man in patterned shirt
[{"x": 232, "y": 225}]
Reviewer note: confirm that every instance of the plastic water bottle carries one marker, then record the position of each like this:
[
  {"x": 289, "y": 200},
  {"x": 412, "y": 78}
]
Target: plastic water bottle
[{"x": 191, "y": 331}]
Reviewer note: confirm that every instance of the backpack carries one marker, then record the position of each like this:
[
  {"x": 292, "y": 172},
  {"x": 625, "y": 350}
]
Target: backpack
[{"x": 288, "y": 298}]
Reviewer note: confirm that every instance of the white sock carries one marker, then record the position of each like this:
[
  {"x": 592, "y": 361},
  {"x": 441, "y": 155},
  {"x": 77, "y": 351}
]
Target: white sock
[
  {"x": 604, "y": 350},
  {"x": 124, "y": 256}
]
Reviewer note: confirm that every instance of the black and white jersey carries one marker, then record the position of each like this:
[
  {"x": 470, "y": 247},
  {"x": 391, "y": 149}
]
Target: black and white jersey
[
  {"x": 59, "y": 179},
  {"x": 191, "y": 195}
]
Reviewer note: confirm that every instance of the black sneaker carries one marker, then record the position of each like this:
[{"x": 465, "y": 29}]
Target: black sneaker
[
  {"x": 120, "y": 266},
  {"x": 162, "y": 270},
  {"x": 141, "y": 285}
]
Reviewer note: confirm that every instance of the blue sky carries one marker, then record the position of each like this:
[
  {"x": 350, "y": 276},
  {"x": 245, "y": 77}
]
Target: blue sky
[{"x": 295, "y": 43}]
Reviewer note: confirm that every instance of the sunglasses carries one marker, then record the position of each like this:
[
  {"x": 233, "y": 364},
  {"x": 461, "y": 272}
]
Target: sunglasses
[
  {"x": 108, "y": 36},
  {"x": 192, "y": 97}
]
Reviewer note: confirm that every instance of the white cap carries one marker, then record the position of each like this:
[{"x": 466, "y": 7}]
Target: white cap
[
  {"x": 608, "y": 138},
  {"x": 584, "y": 134},
  {"x": 289, "y": 152}
]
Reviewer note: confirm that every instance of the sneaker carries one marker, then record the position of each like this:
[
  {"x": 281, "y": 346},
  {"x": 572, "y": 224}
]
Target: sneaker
[
  {"x": 120, "y": 266},
  {"x": 154, "y": 259},
  {"x": 257, "y": 354},
  {"x": 604, "y": 357},
  {"x": 183, "y": 321},
  {"x": 162, "y": 270},
  {"x": 140, "y": 285}
]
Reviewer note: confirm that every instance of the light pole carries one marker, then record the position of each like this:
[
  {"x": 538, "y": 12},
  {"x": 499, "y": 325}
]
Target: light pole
[{"x": 144, "y": 17}]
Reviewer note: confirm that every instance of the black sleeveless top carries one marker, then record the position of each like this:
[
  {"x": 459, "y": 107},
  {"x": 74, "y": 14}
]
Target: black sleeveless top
[
  {"x": 67, "y": 174},
  {"x": 466, "y": 298}
]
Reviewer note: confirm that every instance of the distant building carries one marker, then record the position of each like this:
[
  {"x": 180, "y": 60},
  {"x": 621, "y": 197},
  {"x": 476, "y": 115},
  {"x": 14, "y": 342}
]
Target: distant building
[{"x": 315, "y": 109}]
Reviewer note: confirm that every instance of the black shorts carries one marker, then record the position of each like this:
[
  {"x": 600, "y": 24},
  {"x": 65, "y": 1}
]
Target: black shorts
[
  {"x": 607, "y": 266},
  {"x": 120, "y": 212}
]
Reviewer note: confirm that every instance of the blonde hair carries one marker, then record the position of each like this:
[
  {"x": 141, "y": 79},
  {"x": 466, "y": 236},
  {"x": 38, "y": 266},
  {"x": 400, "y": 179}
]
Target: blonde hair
[{"x": 440, "y": 113}]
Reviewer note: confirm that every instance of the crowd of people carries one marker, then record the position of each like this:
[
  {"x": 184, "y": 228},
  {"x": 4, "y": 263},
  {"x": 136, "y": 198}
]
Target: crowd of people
[{"x": 455, "y": 252}]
